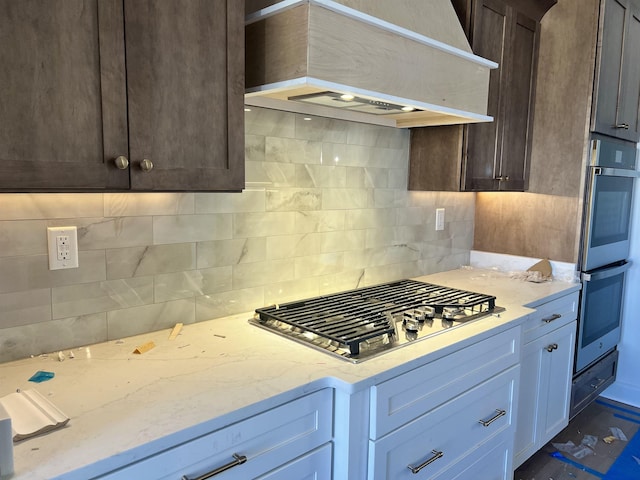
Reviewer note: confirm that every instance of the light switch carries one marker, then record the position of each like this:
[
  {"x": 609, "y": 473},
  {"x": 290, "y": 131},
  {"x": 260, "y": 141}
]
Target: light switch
[
  {"x": 439, "y": 218},
  {"x": 63, "y": 247}
]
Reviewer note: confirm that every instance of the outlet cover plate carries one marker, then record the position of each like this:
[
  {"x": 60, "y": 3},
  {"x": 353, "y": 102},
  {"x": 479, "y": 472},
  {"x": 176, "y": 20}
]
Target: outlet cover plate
[{"x": 63, "y": 247}]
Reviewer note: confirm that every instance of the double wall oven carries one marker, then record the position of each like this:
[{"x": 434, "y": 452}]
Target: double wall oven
[{"x": 603, "y": 264}]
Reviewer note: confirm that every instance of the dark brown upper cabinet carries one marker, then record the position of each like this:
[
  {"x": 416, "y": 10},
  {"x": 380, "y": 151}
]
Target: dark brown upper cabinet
[
  {"x": 488, "y": 156},
  {"x": 157, "y": 85},
  {"x": 617, "y": 81}
]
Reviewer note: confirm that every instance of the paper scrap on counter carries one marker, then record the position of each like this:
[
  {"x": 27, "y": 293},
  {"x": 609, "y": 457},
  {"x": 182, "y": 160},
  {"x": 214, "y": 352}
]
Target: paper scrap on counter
[
  {"x": 32, "y": 414},
  {"x": 145, "y": 347},
  {"x": 176, "y": 331}
]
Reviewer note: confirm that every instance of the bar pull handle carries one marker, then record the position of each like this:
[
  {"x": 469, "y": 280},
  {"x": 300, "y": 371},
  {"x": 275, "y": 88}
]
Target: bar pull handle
[
  {"x": 624, "y": 126},
  {"x": 499, "y": 413},
  {"x": 552, "y": 347},
  {"x": 553, "y": 317},
  {"x": 238, "y": 460},
  {"x": 436, "y": 456}
]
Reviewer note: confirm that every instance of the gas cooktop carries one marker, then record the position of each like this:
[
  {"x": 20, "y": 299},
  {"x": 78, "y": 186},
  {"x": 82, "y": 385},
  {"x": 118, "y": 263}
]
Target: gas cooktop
[{"x": 359, "y": 324}]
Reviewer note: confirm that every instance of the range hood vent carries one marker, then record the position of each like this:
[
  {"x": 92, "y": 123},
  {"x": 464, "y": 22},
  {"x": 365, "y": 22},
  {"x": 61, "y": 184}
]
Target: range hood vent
[{"x": 405, "y": 63}]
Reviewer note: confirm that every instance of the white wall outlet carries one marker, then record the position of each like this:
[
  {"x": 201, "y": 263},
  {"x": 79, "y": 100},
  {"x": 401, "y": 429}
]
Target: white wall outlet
[
  {"x": 63, "y": 247},
  {"x": 439, "y": 218}
]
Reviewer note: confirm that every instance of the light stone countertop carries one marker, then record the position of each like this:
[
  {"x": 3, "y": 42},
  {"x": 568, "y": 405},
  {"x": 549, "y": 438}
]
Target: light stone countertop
[{"x": 124, "y": 407}]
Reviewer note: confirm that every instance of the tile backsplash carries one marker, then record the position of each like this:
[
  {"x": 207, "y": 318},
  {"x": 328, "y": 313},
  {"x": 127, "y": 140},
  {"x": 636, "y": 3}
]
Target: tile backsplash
[{"x": 326, "y": 208}]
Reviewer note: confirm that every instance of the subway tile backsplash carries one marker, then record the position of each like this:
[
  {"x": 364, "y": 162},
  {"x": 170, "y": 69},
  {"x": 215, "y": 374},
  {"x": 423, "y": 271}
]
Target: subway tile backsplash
[{"x": 326, "y": 208}]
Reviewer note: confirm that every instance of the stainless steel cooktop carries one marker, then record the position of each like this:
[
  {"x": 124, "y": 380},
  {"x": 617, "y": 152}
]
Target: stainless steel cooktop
[{"x": 359, "y": 324}]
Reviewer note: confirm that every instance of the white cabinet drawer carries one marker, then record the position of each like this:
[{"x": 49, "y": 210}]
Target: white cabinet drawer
[
  {"x": 314, "y": 465},
  {"x": 268, "y": 440},
  {"x": 401, "y": 399},
  {"x": 454, "y": 429},
  {"x": 550, "y": 316},
  {"x": 490, "y": 461}
]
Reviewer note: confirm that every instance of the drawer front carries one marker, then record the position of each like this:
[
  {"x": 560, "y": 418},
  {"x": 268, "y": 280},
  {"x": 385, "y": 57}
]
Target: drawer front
[
  {"x": 490, "y": 461},
  {"x": 448, "y": 433},
  {"x": 551, "y": 315},
  {"x": 267, "y": 440},
  {"x": 589, "y": 384},
  {"x": 402, "y": 399},
  {"x": 314, "y": 465}
]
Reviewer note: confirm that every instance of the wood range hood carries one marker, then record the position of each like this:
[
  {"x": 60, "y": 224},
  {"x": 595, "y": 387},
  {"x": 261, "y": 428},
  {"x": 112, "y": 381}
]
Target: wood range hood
[{"x": 402, "y": 63}]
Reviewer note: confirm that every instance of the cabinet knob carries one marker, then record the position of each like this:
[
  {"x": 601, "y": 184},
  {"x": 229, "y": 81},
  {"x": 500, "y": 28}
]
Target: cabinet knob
[
  {"x": 121, "y": 162},
  {"x": 502, "y": 178},
  {"x": 146, "y": 165},
  {"x": 552, "y": 347},
  {"x": 622, "y": 125}
]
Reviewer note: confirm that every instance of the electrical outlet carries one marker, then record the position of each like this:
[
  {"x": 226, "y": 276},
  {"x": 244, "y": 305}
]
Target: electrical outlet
[
  {"x": 63, "y": 247},
  {"x": 439, "y": 218}
]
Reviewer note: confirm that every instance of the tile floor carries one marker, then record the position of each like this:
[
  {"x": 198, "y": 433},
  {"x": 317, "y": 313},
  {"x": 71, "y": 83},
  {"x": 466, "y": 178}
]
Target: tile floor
[{"x": 619, "y": 460}]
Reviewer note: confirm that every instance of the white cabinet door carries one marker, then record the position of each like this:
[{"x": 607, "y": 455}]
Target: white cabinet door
[
  {"x": 543, "y": 405},
  {"x": 559, "y": 375}
]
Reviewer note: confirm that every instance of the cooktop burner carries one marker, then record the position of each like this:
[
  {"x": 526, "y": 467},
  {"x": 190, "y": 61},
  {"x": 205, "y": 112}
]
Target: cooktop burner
[{"x": 359, "y": 324}]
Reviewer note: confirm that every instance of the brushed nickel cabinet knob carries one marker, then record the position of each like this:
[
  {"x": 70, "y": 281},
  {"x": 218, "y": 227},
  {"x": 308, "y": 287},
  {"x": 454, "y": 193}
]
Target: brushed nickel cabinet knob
[
  {"x": 146, "y": 165},
  {"x": 121, "y": 162}
]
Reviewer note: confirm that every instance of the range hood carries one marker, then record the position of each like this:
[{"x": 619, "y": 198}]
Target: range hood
[{"x": 403, "y": 63}]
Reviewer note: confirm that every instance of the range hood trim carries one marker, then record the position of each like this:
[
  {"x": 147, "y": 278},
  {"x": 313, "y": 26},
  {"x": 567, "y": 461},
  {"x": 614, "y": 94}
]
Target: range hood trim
[
  {"x": 253, "y": 94},
  {"x": 371, "y": 20}
]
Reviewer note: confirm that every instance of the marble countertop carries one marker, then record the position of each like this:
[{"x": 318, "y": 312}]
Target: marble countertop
[{"x": 125, "y": 406}]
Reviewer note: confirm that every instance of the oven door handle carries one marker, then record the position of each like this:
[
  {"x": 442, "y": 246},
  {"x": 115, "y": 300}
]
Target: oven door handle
[
  {"x": 609, "y": 272},
  {"x": 615, "y": 172}
]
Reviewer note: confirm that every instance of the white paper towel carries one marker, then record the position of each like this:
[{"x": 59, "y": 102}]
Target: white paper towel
[{"x": 6, "y": 445}]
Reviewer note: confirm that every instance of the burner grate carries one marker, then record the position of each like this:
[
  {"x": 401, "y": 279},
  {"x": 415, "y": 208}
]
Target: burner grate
[{"x": 355, "y": 316}]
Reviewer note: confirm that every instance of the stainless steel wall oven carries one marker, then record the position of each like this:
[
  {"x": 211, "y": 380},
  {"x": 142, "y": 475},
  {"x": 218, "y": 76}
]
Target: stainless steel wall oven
[{"x": 603, "y": 263}]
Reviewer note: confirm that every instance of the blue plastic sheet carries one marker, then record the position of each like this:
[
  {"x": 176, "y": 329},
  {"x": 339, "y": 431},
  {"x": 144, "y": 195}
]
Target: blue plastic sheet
[{"x": 41, "y": 376}]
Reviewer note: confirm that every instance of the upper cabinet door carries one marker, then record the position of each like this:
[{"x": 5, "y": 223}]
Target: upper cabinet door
[
  {"x": 516, "y": 142},
  {"x": 618, "y": 72},
  {"x": 491, "y": 33},
  {"x": 185, "y": 85},
  {"x": 497, "y": 155},
  {"x": 63, "y": 117},
  {"x": 158, "y": 84}
]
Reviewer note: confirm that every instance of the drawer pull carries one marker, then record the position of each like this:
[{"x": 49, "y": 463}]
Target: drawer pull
[
  {"x": 553, "y": 317},
  {"x": 436, "y": 455},
  {"x": 552, "y": 347},
  {"x": 238, "y": 460},
  {"x": 499, "y": 413}
]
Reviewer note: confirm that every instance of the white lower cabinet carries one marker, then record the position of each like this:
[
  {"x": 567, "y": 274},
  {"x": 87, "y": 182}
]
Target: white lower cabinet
[
  {"x": 546, "y": 373},
  {"x": 431, "y": 444},
  {"x": 278, "y": 444},
  {"x": 439, "y": 420}
]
